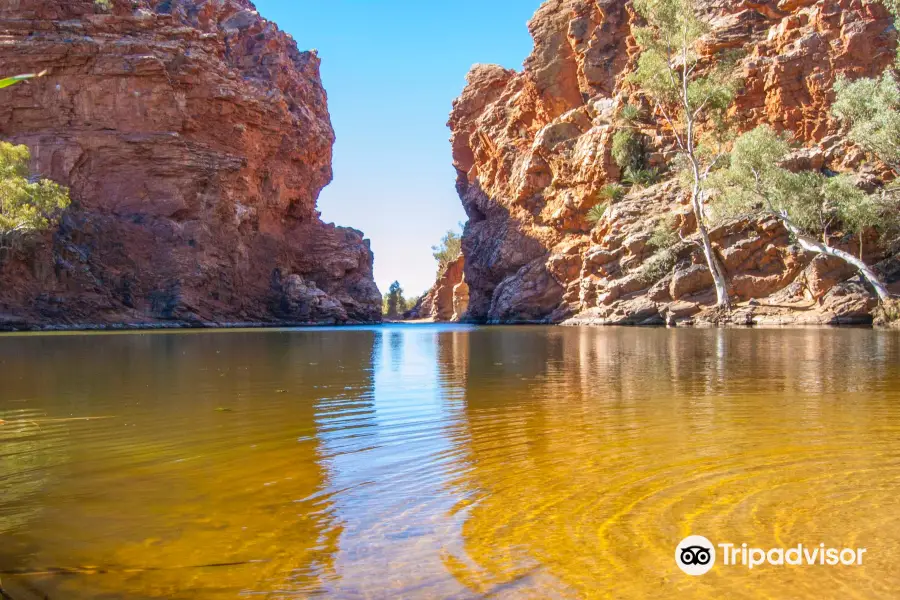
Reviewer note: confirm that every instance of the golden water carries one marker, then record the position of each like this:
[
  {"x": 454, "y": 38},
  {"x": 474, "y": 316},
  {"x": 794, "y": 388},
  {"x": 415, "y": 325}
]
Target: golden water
[{"x": 445, "y": 462}]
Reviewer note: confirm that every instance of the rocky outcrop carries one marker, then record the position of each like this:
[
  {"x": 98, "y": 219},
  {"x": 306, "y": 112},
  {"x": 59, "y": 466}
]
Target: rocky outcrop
[
  {"x": 532, "y": 152},
  {"x": 448, "y": 299},
  {"x": 195, "y": 138}
]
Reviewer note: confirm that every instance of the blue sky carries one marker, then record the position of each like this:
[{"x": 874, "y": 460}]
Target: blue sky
[{"x": 392, "y": 70}]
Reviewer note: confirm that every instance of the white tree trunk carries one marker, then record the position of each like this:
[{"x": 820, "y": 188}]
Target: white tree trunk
[
  {"x": 715, "y": 269},
  {"x": 814, "y": 245}
]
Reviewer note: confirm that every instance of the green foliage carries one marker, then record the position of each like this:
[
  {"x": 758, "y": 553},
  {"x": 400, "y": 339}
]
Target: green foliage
[
  {"x": 640, "y": 178},
  {"x": 103, "y": 5},
  {"x": 630, "y": 114},
  {"x": 5, "y": 83},
  {"x": 667, "y": 70},
  {"x": 627, "y": 150},
  {"x": 393, "y": 304},
  {"x": 893, "y": 6},
  {"x": 612, "y": 192},
  {"x": 607, "y": 195},
  {"x": 754, "y": 182},
  {"x": 657, "y": 266},
  {"x": 664, "y": 234},
  {"x": 596, "y": 213},
  {"x": 448, "y": 250},
  {"x": 872, "y": 108},
  {"x": 26, "y": 206},
  {"x": 669, "y": 55},
  {"x": 687, "y": 97}
]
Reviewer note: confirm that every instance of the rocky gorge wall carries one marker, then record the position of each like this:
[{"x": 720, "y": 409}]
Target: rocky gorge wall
[
  {"x": 448, "y": 298},
  {"x": 195, "y": 138},
  {"x": 532, "y": 150}
]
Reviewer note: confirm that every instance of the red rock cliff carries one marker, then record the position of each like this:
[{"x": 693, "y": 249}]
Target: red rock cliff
[
  {"x": 532, "y": 149},
  {"x": 195, "y": 138},
  {"x": 448, "y": 298}
]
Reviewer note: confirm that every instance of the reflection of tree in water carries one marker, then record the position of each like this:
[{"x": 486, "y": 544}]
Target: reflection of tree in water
[
  {"x": 170, "y": 481},
  {"x": 30, "y": 447},
  {"x": 27, "y": 452},
  {"x": 585, "y": 450},
  {"x": 395, "y": 344}
]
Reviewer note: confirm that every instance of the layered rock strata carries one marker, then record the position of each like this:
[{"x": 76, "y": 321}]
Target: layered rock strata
[
  {"x": 448, "y": 299},
  {"x": 532, "y": 151},
  {"x": 195, "y": 138}
]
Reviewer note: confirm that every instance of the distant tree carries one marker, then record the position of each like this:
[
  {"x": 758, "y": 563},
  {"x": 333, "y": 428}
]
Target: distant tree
[
  {"x": 394, "y": 305},
  {"x": 410, "y": 302},
  {"x": 668, "y": 74},
  {"x": 810, "y": 205},
  {"x": 26, "y": 205},
  {"x": 448, "y": 250}
]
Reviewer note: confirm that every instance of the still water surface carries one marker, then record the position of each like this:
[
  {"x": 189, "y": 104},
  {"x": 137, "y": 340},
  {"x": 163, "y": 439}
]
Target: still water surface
[{"x": 444, "y": 462}]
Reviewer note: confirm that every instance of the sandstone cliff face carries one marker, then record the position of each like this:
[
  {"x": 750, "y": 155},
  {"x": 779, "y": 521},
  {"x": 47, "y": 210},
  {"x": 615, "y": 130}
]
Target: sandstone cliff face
[
  {"x": 195, "y": 138},
  {"x": 448, "y": 299},
  {"x": 532, "y": 150}
]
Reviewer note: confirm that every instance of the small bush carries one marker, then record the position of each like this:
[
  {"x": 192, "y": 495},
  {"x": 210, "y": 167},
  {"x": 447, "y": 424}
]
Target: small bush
[
  {"x": 628, "y": 150},
  {"x": 612, "y": 192},
  {"x": 640, "y": 178},
  {"x": 664, "y": 235},
  {"x": 630, "y": 113},
  {"x": 596, "y": 213},
  {"x": 103, "y": 5},
  {"x": 657, "y": 267}
]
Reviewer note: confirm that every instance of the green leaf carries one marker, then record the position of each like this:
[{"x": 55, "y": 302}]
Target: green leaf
[{"x": 5, "y": 83}]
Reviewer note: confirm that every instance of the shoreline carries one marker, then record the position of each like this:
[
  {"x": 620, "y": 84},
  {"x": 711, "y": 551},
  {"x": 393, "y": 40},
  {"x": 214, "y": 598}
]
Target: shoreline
[
  {"x": 171, "y": 326},
  {"x": 174, "y": 326}
]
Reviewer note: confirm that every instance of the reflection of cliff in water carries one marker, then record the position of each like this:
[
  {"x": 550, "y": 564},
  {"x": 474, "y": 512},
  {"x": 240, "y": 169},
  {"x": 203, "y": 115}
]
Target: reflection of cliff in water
[
  {"x": 586, "y": 448},
  {"x": 212, "y": 453},
  {"x": 390, "y": 458}
]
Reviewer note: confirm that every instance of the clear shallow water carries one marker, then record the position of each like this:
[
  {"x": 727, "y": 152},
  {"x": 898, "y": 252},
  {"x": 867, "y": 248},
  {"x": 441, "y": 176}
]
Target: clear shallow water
[{"x": 445, "y": 462}]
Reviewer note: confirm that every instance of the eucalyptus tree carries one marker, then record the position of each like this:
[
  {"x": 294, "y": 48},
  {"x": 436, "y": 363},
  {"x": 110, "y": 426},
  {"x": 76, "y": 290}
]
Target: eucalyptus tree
[
  {"x": 448, "y": 250},
  {"x": 692, "y": 96},
  {"x": 393, "y": 303},
  {"x": 871, "y": 107},
  {"x": 811, "y": 205},
  {"x": 26, "y": 205}
]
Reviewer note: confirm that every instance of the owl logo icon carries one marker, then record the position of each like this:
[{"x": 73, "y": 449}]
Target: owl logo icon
[{"x": 695, "y": 555}]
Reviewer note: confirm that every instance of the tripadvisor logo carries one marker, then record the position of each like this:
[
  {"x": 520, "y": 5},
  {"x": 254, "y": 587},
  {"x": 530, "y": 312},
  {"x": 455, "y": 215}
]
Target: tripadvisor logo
[{"x": 696, "y": 555}]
